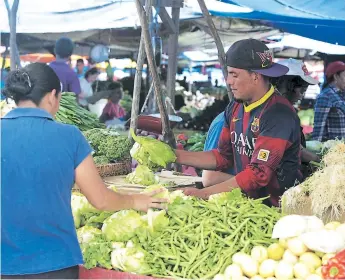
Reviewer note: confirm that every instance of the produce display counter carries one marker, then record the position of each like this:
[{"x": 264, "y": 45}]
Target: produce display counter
[
  {"x": 165, "y": 177},
  {"x": 100, "y": 273}
]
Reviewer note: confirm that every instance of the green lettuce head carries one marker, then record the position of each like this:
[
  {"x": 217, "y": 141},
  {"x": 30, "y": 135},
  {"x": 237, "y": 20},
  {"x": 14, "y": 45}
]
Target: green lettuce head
[
  {"x": 156, "y": 220},
  {"x": 223, "y": 198},
  {"x": 81, "y": 208},
  {"x": 163, "y": 194},
  {"x": 130, "y": 259},
  {"x": 142, "y": 175},
  {"x": 87, "y": 233},
  {"x": 151, "y": 152},
  {"x": 96, "y": 253},
  {"x": 121, "y": 226}
]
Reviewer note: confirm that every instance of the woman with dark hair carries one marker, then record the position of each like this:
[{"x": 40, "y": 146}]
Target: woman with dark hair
[
  {"x": 86, "y": 82},
  {"x": 329, "y": 120},
  {"x": 40, "y": 162}
]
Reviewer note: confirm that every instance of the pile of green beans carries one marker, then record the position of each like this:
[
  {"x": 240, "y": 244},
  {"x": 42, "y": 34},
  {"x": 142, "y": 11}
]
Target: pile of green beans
[
  {"x": 71, "y": 113},
  {"x": 200, "y": 242}
]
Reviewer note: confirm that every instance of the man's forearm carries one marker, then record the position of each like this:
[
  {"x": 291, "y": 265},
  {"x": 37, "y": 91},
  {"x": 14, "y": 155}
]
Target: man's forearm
[
  {"x": 210, "y": 178},
  {"x": 226, "y": 186},
  {"x": 201, "y": 160}
]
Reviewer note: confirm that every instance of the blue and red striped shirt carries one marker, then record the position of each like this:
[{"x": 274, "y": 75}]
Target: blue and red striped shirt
[{"x": 262, "y": 143}]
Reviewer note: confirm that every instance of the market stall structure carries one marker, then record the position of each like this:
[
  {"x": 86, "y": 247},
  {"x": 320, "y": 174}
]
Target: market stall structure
[{"x": 226, "y": 237}]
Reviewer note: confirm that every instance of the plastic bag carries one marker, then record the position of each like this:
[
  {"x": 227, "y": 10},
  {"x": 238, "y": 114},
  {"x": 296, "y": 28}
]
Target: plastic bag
[
  {"x": 324, "y": 241},
  {"x": 295, "y": 225},
  {"x": 290, "y": 226}
]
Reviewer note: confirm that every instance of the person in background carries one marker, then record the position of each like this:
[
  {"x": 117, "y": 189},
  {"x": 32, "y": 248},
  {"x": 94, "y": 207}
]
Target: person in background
[
  {"x": 69, "y": 79},
  {"x": 86, "y": 86},
  {"x": 183, "y": 83},
  {"x": 209, "y": 177},
  {"x": 41, "y": 161},
  {"x": 329, "y": 119},
  {"x": 293, "y": 87},
  {"x": 80, "y": 68},
  {"x": 261, "y": 134},
  {"x": 113, "y": 110}
]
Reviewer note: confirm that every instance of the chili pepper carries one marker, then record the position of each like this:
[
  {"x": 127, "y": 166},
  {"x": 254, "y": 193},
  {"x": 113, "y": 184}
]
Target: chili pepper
[{"x": 335, "y": 268}]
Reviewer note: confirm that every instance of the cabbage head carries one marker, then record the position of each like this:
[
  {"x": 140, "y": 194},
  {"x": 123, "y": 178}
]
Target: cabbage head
[
  {"x": 163, "y": 194},
  {"x": 87, "y": 233},
  {"x": 121, "y": 226},
  {"x": 156, "y": 220},
  {"x": 81, "y": 209},
  {"x": 151, "y": 152},
  {"x": 225, "y": 197},
  {"x": 97, "y": 252},
  {"x": 178, "y": 194},
  {"x": 142, "y": 175},
  {"x": 130, "y": 259}
]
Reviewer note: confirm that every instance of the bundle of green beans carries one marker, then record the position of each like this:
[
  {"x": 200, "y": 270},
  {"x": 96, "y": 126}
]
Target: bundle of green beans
[
  {"x": 202, "y": 238},
  {"x": 198, "y": 243},
  {"x": 71, "y": 113}
]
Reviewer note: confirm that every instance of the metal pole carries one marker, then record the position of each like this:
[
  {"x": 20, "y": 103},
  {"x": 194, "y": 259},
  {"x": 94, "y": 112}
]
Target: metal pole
[
  {"x": 219, "y": 45},
  {"x": 172, "y": 52},
  {"x": 12, "y": 20}
]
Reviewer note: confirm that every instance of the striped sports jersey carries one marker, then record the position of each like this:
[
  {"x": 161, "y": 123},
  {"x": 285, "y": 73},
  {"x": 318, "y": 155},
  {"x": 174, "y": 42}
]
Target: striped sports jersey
[{"x": 262, "y": 143}]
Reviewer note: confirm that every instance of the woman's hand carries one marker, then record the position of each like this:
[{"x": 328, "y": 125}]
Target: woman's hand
[{"x": 143, "y": 202}]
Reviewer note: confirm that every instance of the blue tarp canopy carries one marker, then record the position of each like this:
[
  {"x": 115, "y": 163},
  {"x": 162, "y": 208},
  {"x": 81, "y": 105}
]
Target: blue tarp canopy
[
  {"x": 322, "y": 20},
  {"x": 117, "y": 20}
]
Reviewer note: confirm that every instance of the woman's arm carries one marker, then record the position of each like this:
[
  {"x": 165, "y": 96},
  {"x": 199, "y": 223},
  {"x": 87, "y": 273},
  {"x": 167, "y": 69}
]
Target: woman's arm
[{"x": 102, "y": 198}]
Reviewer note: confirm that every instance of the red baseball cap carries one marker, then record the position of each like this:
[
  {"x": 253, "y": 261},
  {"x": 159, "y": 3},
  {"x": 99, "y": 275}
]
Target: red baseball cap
[{"x": 334, "y": 67}]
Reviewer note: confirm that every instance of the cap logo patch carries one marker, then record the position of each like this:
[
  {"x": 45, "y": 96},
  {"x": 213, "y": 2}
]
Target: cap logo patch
[
  {"x": 305, "y": 70},
  {"x": 263, "y": 155},
  {"x": 266, "y": 58}
]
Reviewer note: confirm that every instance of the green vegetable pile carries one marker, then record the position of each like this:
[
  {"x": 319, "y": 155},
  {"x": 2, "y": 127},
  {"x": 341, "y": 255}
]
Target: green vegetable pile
[
  {"x": 196, "y": 142},
  {"x": 194, "y": 239},
  {"x": 126, "y": 102},
  {"x": 71, "y": 113},
  {"x": 152, "y": 153},
  {"x": 108, "y": 145}
]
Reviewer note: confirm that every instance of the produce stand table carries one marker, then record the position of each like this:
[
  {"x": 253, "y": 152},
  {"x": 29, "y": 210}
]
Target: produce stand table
[
  {"x": 123, "y": 186},
  {"x": 100, "y": 273},
  {"x": 164, "y": 177}
]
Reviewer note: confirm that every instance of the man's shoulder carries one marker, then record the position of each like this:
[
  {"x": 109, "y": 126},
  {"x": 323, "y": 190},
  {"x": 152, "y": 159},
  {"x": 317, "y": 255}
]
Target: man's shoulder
[
  {"x": 279, "y": 102},
  {"x": 231, "y": 106},
  {"x": 280, "y": 109}
]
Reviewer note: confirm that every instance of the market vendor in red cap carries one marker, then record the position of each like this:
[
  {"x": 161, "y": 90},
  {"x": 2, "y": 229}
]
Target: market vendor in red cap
[
  {"x": 329, "y": 120},
  {"x": 260, "y": 139}
]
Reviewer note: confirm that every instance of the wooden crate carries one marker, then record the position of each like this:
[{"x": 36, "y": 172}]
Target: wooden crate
[{"x": 115, "y": 169}]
